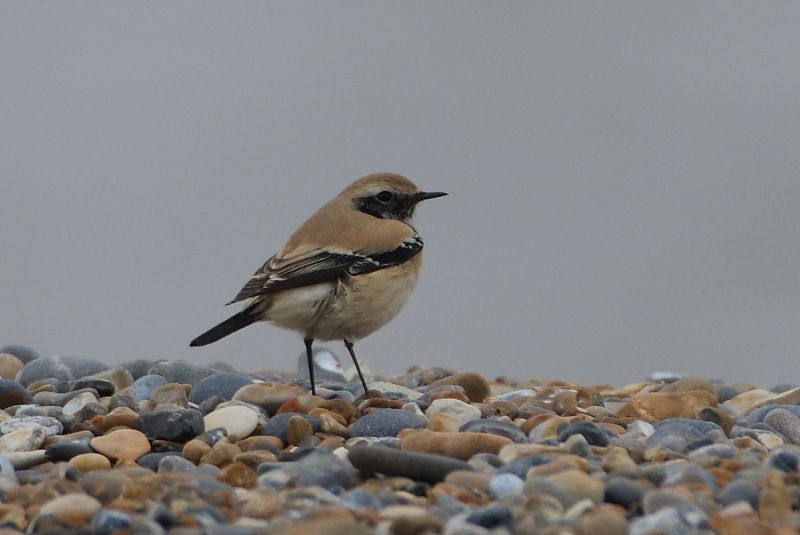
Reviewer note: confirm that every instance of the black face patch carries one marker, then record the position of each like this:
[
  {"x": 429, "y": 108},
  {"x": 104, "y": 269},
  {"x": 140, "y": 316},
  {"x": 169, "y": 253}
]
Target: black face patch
[{"x": 388, "y": 205}]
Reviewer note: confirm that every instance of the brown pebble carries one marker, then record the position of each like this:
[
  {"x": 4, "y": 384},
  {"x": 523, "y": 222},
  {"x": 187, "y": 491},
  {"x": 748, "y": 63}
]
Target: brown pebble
[
  {"x": 72, "y": 509},
  {"x": 499, "y": 408},
  {"x": 459, "y": 445},
  {"x": 299, "y": 432},
  {"x": 475, "y": 386},
  {"x": 269, "y": 396},
  {"x": 221, "y": 455},
  {"x": 86, "y": 462},
  {"x": 330, "y": 422},
  {"x": 415, "y": 525},
  {"x": 238, "y": 474},
  {"x": 195, "y": 449},
  {"x": 258, "y": 442},
  {"x": 605, "y": 520},
  {"x": 717, "y": 416},
  {"x": 654, "y": 406},
  {"x": 10, "y": 365},
  {"x": 122, "y": 444},
  {"x": 120, "y": 417},
  {"x": 255, "y": 458},
  {"x": 340, "y": 407},
  {"x": 170, "y": 393},
  {"x": 469, "y": 479},
  {"x": 12, "y": 514}
]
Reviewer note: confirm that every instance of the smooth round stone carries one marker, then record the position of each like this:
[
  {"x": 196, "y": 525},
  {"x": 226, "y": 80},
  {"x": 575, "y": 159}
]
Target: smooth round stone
[
  {"x": 176, "y": 425},
  {"x": 51, "y": 425},
  {"x": 386, "y": 423},
  {"x": 604, "y": 520},
  {"x": 459, "y": 411},
  {"x": 323, "y": 469},
  {"x": 413, "y": 465},
  {"x": 505, "y": 485},
  {"x": 10, "y": 365},
  {"x": 64, "y": 451},
  {"x": 23, "y": 353},
  {"x": 109, "y": 521},
  {"x": 718, "y": 450},
  {"x": 224, "y": 385},
  {"x": 76, "y": 404},
  {"x": 669, "y": 521},
  {"x": 122, "y": 444},
  {"x": 139, "y": 367},
  {"x": 577, "y": 445},
  {"x": 727, "y": 392},
  {"x": 492, "y": 516},
  {"x": 687, "y": 474},
  {"x": 151, "y": 461},
  {"x": 624, "y": 492},
  {"x": 61, "y": 368},
  {"x": 459, "y": 445},
  {"x": 676, "y": 433},
  {"x": 475, "y": 386},
  {"x": 784, "y": 460},
  {"x": 514, "y": 394},
  {"x": 142, "y": 388},
  {"x": 495, "y": 427},
  {"x": 392, "y": 391},
  {"x": 120, "y": 377},
  {"x": 758, "y": 414},
  {"x": 86, "y": 462},
  {"x": 175, "y": 464},
  {"x": 358, "y": 500},
  {"x": 27, "y": 439},
  {"x": 278, "y": 425},
  {"x": 101, "y": 386},
  {"x": 268, "y": 396},
  {"x": 576, "y": 483},
  {"x": 181, "y": 372},
  {"x": 785, "y": 423},
  {"x": 739, "y": 491},
  {"x": 25, "y": 459},
  {"x": 594, "y": 434},
  {"x": 12, "y": 393},
  {"x": 519, "y": 467},
  {"x": 72, "y": 509},
  {"x": 237, "y": 421}
]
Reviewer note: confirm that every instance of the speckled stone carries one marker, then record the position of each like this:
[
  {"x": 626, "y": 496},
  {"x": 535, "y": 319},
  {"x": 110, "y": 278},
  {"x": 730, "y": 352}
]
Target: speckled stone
[
  {"x": 142, "y": 388},
  {"x": 224, "y": 385},
  {"x": 178, "y": 425},
  {"x": 61, "y": 368},
  {"x": 386, "y": 423}
]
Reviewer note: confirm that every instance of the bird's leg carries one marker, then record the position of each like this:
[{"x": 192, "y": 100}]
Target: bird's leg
[
  {"x": 310, "y": 355},
  {"x": 349, "y": 346}
]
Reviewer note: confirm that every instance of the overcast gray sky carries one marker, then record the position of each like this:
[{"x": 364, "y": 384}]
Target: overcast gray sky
[{"x": 624, "y": 177}]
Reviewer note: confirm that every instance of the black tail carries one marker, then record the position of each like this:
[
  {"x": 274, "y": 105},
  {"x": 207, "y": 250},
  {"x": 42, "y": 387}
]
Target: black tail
[{"x": 230, "y": 325}]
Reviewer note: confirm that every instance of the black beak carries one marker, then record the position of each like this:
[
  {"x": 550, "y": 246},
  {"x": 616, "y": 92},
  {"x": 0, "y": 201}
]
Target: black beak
[{"x": 424, "y": 195}]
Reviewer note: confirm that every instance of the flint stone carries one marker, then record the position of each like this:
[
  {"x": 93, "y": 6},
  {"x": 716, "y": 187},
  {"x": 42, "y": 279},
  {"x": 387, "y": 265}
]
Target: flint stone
[
  {"x": 178, "y": 425},
  {"x": 224, "y": 385},
  {"x": 386, "y": 423},
  {"x": 418, "y": 466},
  {"x": 61, "y": 368}
]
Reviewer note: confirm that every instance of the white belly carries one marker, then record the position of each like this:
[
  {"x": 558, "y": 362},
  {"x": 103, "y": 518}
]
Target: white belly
[{"x": 348, "y": 311}]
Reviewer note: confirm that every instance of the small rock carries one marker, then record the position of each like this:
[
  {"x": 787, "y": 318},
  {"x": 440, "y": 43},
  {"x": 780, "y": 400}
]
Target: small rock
[
  {"x": 594, "y": 434},
  {"x": 175, "y": 464},
  {"x": 475, "y": 387},
  {"x": 669, "y": 521},
  {"x": 27, "y": 439},
  {"x": 460, "y": 412},
  {"x": 386, "y": 423},
  {"x": 23, "y": 353},
  {"x": 492, "y": 516},
  {"x": 393, "y": 391},
  {"x": 495, "y": 427},
  {"x": 170, "y": 394},
  {"x": 51, "y": 425},
  {"x": 277, "y": 426},
  {"x": 64, "y": 451},
  {"x": 745, "y": 403},
  {"x": 785, "y": 423},
  {"x": 109, "y": 521},
  {"x": 76, "y": 404},
  {"x": 61, "y": 368},
  {"x": 142, "y": 388},
  {"x": 181, "y": 372},
  {"x": 178, "y": 425},
  {"x": 12, "y": 393},
  {"x": 10, "y": 365},
  {"x": 578, "y": 484},
  {"x": 86, "y": 462},
  {"x": 269, "y": 396},
  {"x": 238, "y": 421},
  {"x": 122, "y": 444},
  {"x": 504, "y": 485},
  {"x": 413, "y": 465},
  {"x": 459, "y": 445},
  {"x": 224, "y": 385},
  {"x": 654, "y": 406},
  {"x": 72, "y": 509}
]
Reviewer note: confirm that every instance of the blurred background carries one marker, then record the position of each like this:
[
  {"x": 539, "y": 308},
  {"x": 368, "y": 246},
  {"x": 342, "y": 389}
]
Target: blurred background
[{"x": 624, "y": 177}]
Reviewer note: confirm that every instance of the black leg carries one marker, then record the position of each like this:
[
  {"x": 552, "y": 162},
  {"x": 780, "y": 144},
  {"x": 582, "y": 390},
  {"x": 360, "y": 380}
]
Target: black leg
[
  {"x": 310, "y": 356},
  {"x": 349, "y": 346}
]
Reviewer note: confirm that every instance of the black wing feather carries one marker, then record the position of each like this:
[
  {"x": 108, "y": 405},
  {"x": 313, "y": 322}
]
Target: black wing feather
[{"x": 325, "y": 267}]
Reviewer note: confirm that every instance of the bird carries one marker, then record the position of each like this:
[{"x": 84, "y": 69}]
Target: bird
[{"x": 344, "y": 273}]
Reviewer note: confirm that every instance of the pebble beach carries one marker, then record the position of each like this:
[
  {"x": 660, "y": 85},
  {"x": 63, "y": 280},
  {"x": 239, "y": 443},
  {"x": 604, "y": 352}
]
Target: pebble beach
[{"x": 172, "y": 447}]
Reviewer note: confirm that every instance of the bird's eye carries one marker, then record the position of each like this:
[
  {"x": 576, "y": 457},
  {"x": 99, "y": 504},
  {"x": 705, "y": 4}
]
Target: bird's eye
[{"x": 385, "y": 197}]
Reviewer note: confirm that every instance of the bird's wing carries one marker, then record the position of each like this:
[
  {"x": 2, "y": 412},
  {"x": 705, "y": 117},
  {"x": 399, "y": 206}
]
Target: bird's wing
[{"x": 318, "y": 265}]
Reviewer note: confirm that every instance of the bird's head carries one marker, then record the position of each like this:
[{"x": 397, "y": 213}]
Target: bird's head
[{"x": 386, "y": 196}]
